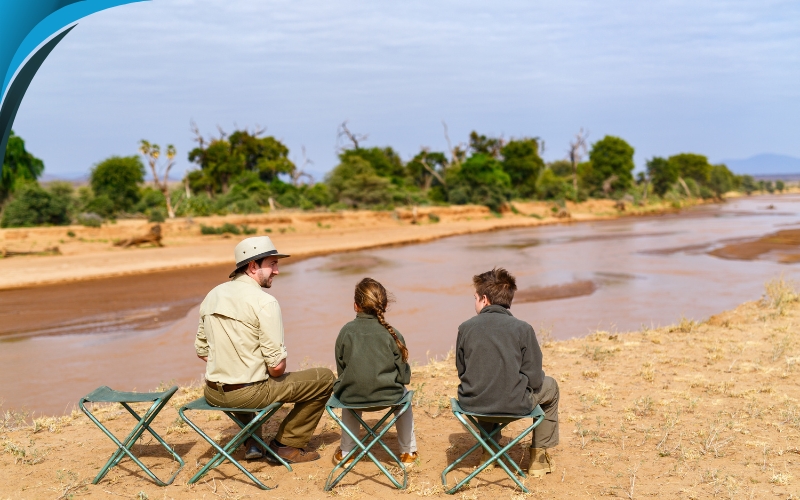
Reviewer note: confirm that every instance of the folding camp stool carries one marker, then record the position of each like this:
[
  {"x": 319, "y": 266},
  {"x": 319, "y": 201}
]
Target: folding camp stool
[
  {"x": 488, "y": 443},
  {"x": 260, "y": 417},
  {"x": 374, "y": 436},
  {"x": 159, "y": 399}
]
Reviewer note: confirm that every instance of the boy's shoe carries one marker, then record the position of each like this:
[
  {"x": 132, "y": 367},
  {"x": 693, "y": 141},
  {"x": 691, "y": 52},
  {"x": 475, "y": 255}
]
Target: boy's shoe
[
  {"x": 540, "y": 463},
  {"x": 408, "y": 459},
  {"x": 252, "y": 451},
  {"x": 291, "y": 454},
  {"x": 339, "y": 455},
  {"x": 485, "y": 456}
]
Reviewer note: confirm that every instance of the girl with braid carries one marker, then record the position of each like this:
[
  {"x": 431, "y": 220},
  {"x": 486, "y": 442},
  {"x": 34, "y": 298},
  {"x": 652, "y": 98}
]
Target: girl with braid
[{"x": 372, "y": 364}]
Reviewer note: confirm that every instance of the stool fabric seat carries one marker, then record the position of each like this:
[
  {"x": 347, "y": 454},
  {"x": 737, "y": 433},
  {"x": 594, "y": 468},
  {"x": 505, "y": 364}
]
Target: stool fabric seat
[
  {"x": 260, "y": 417},
  {"x": 487, "y": 442},
  {"x": 374, "y": 436},
  {"x": 159, "y": 400}
]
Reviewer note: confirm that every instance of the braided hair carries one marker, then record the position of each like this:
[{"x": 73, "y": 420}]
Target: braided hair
[{"x": 372, "y": 298}]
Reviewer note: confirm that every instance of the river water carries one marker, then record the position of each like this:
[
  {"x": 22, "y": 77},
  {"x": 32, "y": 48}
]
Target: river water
[{"x": 626, "y": 273}]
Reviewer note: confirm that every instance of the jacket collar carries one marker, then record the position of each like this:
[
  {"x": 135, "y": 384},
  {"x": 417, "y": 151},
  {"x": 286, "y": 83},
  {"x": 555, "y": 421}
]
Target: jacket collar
[
  {"x": 492, "y": 308},
  {"x": 364, "y": 315}
]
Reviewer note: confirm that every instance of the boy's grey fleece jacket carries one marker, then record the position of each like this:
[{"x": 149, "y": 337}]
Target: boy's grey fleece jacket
[{"x": 499, "y": 363}]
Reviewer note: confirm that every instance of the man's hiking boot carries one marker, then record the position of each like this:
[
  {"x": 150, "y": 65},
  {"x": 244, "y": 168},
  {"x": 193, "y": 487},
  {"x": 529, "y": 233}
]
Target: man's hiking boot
[
  {"x": 339, "y": 455},
  {"x": 291, "y": 454},
  {"x": 485, "y": 456},
  {"x": 252, "y": 451},
  {"x": 540, "y": 463}
]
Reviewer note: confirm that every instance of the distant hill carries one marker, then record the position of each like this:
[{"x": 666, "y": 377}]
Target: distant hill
[{"x": 765, "y": 164}]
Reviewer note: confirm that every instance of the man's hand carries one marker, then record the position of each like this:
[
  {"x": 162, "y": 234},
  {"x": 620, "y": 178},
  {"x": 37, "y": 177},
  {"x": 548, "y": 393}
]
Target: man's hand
[
  {"x": 204, "y": 358},
  {"x": 278, "y": 370}
]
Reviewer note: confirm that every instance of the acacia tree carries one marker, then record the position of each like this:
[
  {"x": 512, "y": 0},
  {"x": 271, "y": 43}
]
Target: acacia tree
[
  {"x": 577, "y": 149},
  {"x": 428, "y": 166},
  {"x": 151, "y": 153}
]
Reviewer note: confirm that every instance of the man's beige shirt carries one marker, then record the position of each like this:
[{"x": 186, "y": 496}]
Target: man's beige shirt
[{"x": 241, "y": 332}]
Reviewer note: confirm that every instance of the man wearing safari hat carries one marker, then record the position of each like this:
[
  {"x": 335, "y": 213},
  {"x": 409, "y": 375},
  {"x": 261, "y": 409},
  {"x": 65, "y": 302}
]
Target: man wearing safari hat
[{"x": 240, "y": 337}]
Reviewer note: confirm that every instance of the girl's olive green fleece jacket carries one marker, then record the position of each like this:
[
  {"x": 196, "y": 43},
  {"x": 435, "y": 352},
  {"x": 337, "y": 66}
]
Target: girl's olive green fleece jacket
[{"x": 368, "y": 362}]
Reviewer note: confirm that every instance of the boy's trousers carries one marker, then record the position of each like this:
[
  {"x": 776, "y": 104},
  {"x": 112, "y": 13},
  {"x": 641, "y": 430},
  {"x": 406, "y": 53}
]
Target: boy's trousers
[{"x": 546, "y": 434}]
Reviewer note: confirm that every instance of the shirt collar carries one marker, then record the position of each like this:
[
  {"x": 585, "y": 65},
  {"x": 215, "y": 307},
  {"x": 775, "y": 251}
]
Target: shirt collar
[
  {"x": 493, "y": 308},
  {"x": 246, "y": 279}
]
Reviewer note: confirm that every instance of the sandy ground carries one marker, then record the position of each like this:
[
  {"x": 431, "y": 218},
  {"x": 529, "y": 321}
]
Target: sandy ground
[
  {"x": 781, "y": 245},
  {"x": 87, "y": 253},
  {"x": 695, "y": 410}
]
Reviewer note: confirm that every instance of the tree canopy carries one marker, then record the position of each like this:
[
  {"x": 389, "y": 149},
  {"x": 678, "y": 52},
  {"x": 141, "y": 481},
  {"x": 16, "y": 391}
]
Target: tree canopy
[
  {"x": 522, "y": 163},
  {"x": 226, "y": 157},
  {"x": 18, "y": 165},
  {"x": 663, "y": 174},
  {"x": 116, "y": 182},
  {"x": 692, "y": 166},
  {"x": 611, "y": 160}
]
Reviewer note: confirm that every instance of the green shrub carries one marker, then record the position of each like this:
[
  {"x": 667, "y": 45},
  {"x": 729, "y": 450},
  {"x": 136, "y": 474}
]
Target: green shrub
[
  {"x": 319, "y": 195},
  {"x": 156, "y": 215},
  {"x": 90, "y": 220},
  {"x": 199, "y": 205},
  {"x": 552, "y": 187},
  {"x": 226, "y": 228},
  {"x": 34, "y": 206},
  {"x": 150, "y": 199}
]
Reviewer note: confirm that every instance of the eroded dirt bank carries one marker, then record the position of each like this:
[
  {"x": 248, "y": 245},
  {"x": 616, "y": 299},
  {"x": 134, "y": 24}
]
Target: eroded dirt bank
[
  {"x": 709, "y": 410},
  {"x": 89, "y": 253}
]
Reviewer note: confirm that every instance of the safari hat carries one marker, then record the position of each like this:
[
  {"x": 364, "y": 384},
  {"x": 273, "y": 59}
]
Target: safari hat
[{"x": 255, "y": 248}]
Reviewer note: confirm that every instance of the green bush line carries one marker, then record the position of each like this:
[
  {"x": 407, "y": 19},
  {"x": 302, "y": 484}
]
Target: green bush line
[{"x": 245, "y": 173}]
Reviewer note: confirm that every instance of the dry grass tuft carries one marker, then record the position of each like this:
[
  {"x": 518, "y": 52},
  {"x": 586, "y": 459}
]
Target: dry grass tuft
[{"x": 779, "y": 293}]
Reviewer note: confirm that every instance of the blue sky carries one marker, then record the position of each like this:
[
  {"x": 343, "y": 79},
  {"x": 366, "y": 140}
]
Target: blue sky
[{"x": 721, "y": 78}]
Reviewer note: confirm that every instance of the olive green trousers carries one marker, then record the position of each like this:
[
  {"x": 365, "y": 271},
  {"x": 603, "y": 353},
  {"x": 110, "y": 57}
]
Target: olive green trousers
[{"x": 309, "y": 390}]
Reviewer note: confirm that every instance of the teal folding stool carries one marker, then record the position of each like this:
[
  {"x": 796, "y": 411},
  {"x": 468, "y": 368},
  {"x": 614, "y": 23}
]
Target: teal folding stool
[
  {"x": 260, "y": 417},
  {"x": 374, "y": 436},
  {"x": 158, "y": 399},
  {"x": 488, "y": 443}
]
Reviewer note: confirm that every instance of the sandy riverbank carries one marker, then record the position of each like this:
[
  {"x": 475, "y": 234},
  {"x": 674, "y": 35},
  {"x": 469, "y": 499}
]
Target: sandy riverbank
[
  {"x": 694, "y": 410},
  {"x": 89, "y": 253}
]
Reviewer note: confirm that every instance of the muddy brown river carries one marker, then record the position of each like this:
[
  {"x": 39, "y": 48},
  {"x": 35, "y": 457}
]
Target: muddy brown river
[{"x": 58, "y": 343}]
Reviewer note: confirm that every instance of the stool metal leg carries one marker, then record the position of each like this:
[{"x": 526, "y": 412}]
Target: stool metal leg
[
  {"x": 224, "y": 453},
  {"x": 264, "y": 445},
  {"x": 494, "y": 445},
  {"x": 374, "y": 436},
  {"x": 123, "y": 448},
  {"x": 497, "y": 455}
]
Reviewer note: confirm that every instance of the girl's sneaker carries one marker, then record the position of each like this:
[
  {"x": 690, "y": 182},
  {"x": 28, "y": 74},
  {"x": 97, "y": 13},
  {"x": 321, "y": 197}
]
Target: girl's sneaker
[
  {"x": 339, "y": 455},
  {"x": 409, "y": 459}
]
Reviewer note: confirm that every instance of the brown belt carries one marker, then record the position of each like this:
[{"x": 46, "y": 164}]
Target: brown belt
[{"x": 229, "y": 387}]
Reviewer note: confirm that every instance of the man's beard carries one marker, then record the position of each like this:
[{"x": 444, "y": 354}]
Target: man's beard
[{"x": 266, "y": 283}]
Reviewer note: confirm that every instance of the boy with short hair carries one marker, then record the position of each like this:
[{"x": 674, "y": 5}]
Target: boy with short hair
[{"x": 499, "y": 364}]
